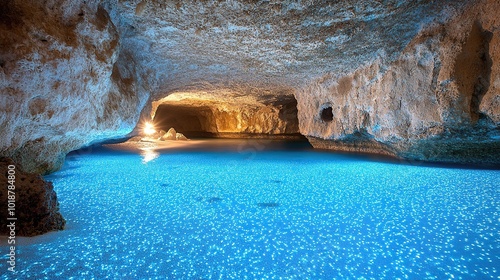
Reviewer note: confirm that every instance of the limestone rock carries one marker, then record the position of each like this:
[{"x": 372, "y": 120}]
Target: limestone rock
[
  {"x": 408, "y": 79},
  {"x": 170, "y": 135},
  {"x": 61, "y": 85},
  {"x": 36, "y": 205},
  {"x": 433, "y": 101},
  {"x": 180, "y": 136}
]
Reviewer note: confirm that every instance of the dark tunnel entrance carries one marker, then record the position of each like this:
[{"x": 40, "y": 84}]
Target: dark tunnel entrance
[
  {"x": 274, "y": 118},
  {"x": 191, "y": 121}
]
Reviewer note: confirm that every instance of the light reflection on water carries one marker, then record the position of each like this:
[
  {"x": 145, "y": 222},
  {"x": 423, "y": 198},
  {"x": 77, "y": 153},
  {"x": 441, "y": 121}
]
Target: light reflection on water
[
  {"x": 149, "y": 154},
  {"x": 265, "y": 212}
]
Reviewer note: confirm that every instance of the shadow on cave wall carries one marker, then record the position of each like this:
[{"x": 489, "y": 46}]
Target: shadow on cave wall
[{"x": 473, "y": 68}]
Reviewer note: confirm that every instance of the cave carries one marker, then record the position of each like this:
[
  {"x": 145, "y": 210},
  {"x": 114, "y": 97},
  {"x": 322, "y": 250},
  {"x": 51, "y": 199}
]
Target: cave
[
  {"x": 268, "y": 117},
  {"x": 190, "y": 120},
  {"x": 249, "y": 139}
]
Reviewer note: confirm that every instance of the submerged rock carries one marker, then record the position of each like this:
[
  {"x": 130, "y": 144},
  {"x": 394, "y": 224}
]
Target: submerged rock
[
  {"x": 35, "y": 205},
  {"x": 214, "y": 199}
]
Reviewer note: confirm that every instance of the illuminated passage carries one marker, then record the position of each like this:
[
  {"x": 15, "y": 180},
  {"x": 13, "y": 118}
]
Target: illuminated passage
[{"x": 202, "y": 115}]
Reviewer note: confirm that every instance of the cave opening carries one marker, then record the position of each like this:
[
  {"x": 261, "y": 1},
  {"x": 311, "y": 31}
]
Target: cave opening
[
  {"x": 268, "y": 117},
  {"x": 327, "y": 114},
  {"x": 192, "y": 121}
]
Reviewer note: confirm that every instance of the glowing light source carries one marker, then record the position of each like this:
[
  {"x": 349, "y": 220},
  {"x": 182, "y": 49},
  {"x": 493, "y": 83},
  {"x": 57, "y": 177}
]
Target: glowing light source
[{"x": 149, "y": 128}]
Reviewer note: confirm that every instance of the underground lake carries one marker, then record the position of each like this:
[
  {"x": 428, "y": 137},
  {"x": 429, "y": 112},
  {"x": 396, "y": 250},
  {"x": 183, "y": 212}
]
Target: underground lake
[
  {"x": 249, "y": 139},
  {"x": 264, "y": 209}
]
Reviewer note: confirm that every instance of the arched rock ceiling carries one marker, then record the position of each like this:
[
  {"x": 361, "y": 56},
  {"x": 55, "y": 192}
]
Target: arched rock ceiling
[
  {"x": 273, "y": 45},
  {"x": 224, "y": 96}
]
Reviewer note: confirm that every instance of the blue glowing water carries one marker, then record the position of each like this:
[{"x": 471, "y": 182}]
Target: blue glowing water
[{"x": 256, "y": 213}]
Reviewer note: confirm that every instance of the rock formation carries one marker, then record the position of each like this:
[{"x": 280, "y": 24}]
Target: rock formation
[
  {"x": 61, "y": 86},
  {"x": 414, "y": 79},
  {"x": 35, "y": 203},
  {"x": 436, "y": 100},
  {"x": 169, "y": 135},
  {"x": 180, "y": 136}
]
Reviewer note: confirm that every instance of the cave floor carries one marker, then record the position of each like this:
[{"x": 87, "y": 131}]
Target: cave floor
[{"x": 265, "y": 210}]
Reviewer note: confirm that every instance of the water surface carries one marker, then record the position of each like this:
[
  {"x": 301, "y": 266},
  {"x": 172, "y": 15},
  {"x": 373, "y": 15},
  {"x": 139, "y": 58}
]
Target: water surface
[{"x": 260, "y": 211}]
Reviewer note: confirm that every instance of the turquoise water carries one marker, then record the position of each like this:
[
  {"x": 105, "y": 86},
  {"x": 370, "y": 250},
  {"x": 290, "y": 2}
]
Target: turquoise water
[{"x": 254, "y": 211}]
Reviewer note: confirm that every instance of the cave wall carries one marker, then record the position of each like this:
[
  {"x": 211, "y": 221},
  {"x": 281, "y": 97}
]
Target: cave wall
[
  {"x": 437, "y": 100},
  {"x": 61, "y": 86},
  {"x": 37, "y": 206},
  {"x": 414, "y": 79}
]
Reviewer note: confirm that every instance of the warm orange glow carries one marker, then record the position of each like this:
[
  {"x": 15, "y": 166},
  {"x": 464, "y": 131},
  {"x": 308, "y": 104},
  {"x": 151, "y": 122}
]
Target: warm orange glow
[{"x": 149, "y": 128}]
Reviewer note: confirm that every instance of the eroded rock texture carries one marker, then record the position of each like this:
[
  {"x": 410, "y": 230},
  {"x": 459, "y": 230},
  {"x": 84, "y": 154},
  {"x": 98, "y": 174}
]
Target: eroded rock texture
[
  {"x": 36, "y": 207},
  {"x": 437, "y": 99},
  {"x": 61, "y": 87},
  {"x": 414, "y": 79}
]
